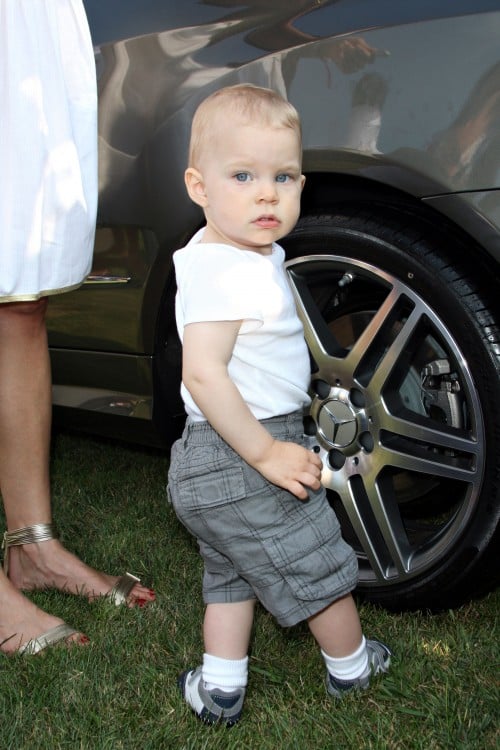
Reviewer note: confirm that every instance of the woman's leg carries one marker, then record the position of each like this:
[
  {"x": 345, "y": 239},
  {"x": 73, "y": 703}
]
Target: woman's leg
[
  {"x": 25, "y": 423},
  {"x": 25, "y": 404}
]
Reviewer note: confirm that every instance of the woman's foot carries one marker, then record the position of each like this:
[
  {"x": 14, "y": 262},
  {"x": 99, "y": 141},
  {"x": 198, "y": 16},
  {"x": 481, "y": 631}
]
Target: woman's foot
[
  {"x": 21, "y": 622},
  {"x": 48, "y": 564}
]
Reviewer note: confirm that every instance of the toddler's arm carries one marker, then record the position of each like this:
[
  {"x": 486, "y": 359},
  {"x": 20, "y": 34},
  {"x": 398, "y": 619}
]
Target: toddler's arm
[{"x": 207, "y": 349}]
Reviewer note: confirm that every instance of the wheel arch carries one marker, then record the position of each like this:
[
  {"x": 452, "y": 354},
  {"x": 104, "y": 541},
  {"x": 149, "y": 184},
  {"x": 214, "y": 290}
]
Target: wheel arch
[{"x": 336, "y": 191}]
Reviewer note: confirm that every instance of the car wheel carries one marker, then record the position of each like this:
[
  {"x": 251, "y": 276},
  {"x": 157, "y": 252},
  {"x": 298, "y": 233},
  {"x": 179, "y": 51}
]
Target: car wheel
[{"x": 405, "y": 408}]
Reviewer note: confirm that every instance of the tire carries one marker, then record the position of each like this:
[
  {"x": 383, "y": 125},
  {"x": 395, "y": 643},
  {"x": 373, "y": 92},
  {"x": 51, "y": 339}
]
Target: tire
[{"x": 405, "y": 405}]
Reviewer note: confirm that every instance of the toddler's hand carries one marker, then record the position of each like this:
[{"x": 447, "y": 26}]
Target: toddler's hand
[{"x": 292, "y": 467}]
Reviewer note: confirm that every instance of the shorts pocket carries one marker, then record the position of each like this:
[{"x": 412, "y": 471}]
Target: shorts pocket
[
  {"x": 208, "y": 490},
  {"x": 313, "y": 558}
]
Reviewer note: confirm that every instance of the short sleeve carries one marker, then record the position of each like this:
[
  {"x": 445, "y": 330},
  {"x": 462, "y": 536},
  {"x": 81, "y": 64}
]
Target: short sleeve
[{"x": 217, "y": 283}]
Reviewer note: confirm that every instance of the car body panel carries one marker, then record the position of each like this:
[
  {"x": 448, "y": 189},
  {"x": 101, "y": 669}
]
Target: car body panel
[{"x": 422, "y": 118}]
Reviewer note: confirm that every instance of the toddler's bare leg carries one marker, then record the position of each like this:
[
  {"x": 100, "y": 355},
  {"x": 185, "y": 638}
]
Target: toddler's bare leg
[
  {"x": 337, "y": 628},
  {"x": 216, "y": 690},
  {"x": 350, "y": 659},
  {"x": 227, "y": 628}
]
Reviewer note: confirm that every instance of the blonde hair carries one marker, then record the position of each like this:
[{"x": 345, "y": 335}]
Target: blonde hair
[{"x": 246, "y": 102}]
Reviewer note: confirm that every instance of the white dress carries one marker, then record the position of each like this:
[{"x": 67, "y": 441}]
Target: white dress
[{"x": 48, "y": 147}]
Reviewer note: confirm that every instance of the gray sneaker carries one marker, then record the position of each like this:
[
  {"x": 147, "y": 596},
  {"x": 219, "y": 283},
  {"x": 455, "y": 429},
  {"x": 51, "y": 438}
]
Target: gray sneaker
[
  {"x": 211, "y": 706},
  {"x": 379, "y": 659}
]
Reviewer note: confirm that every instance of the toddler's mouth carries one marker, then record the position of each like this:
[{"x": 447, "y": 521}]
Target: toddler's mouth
[{"x": 267, "y": 221}]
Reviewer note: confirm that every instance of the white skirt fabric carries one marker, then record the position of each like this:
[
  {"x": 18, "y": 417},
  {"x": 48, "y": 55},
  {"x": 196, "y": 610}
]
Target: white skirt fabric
[{"x": 48, "y": 147}]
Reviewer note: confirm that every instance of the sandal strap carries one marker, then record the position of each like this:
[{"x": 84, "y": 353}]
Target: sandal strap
[
  {"x": 38, "y": 532},
  {"x": 122, "y": 588},
  {"x": 50, "y": 638}
]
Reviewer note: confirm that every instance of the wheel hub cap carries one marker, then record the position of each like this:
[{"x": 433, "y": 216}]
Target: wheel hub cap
[{"x": 337, "y": 423}]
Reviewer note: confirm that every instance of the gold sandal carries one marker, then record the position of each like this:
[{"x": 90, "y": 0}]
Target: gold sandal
[
  {"x": 50, "y": 638},
  {"x": 42, "y": 532}
]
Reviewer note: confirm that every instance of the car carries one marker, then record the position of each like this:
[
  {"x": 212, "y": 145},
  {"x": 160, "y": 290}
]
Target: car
[{"x": 394, "y": 263}]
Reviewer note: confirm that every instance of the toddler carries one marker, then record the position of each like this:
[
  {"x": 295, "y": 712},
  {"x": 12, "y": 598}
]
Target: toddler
[{"x": 241, "y": 479}]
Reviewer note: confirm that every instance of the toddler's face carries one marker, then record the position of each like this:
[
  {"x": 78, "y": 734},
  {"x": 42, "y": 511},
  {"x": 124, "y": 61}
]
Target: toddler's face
[{"x": 252, "y": 183}]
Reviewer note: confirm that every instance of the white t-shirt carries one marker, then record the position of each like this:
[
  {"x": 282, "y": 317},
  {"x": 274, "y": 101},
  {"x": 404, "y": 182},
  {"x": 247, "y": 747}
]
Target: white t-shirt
[{"x": 270, "y": 362}]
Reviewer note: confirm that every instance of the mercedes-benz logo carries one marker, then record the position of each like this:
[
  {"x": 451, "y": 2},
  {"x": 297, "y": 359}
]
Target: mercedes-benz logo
[{"x": 337, "y": 423}]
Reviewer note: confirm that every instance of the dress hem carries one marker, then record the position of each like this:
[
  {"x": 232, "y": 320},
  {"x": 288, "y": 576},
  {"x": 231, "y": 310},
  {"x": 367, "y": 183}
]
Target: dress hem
[{"x": 39, "y": 295}]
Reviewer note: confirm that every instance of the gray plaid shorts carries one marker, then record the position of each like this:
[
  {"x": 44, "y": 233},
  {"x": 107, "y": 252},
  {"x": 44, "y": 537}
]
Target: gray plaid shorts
[{"x": 256, "y": 539}]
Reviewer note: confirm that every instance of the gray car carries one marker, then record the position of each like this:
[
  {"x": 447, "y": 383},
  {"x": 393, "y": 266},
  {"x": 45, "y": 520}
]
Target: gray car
[{"x": 394, "y": 263}]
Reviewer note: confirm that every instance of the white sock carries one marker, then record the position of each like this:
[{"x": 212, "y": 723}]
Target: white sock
[
  {"x": 349, "y": 667},
  {"x": 224, "y": 674}
]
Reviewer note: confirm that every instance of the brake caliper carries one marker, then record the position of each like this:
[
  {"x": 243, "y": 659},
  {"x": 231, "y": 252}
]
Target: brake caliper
[{"x": 441, "y": 393}]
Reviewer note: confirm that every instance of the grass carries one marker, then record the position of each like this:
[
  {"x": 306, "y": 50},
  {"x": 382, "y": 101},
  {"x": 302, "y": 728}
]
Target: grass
[{"x": 120, "y": 692}]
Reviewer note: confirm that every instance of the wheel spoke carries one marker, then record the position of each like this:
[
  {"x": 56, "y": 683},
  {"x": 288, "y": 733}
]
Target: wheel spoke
[
  {"x": 395, "y": 350},
  {"x": 320, "y": 339},
  {"x": 433, "y": 434},
  {"x": 436, "y": 464},
  {"x": 373, "y": 331},
  {"x": 376, "y": 520}
]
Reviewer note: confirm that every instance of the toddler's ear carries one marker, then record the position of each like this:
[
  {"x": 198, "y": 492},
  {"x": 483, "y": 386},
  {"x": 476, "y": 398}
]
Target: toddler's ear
[{"x": 195, "y": 186}]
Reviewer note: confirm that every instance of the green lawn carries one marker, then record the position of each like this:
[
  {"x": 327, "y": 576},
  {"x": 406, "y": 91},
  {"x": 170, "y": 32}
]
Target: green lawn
[{"x": 120, "y": 692}]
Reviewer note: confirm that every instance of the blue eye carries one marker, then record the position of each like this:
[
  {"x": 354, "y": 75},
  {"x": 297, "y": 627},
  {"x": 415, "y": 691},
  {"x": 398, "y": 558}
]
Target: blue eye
[
  {"x": 242, "y": 176},
  {"x": 282, "y": 178}
]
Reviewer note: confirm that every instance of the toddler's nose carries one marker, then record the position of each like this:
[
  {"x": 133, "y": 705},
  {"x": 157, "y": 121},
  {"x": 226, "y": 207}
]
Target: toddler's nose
[{"x": 268, "y": 192}]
